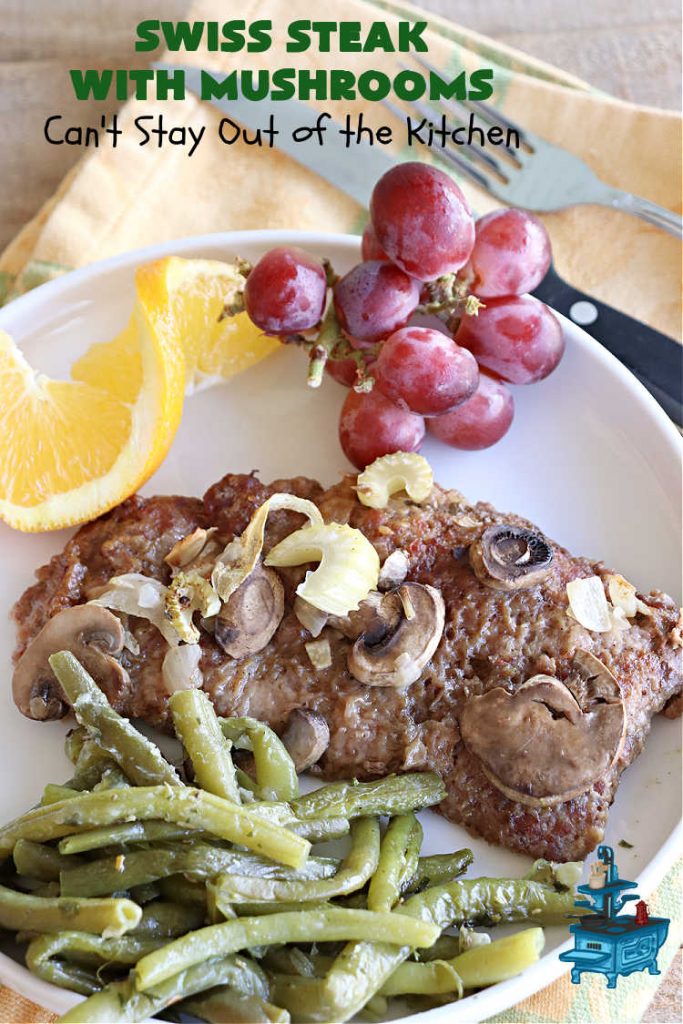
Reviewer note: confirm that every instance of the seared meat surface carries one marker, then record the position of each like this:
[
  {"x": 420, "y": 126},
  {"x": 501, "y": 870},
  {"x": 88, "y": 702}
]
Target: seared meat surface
[{"x": 491, "y": 638}]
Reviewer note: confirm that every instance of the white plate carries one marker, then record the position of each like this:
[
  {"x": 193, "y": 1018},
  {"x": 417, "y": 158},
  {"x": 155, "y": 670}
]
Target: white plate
[{"x": 590, "y": 458}]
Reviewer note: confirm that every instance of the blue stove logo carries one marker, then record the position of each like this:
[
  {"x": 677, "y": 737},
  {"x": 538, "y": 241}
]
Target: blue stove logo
[{"x": 609, "y": 943}]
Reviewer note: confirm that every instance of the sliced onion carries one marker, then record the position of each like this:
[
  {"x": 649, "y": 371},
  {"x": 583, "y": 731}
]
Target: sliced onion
[
  {"x": 320, "y": 653},
  {"x": 394, "y": 570},
  {"x": 139, "y": 595},
  {"x": 588, "y": 604},
  {"x": 180, "y": 668},
  {"x": 310, "y": 617},
  {"x": 189, "y": 548},
  {"x": 239, "y": 558},
  {"x": 622, "y": 594}
]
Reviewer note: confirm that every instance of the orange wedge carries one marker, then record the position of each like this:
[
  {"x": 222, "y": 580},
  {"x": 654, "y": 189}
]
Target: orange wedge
[
  {"x": 70, "y": 450},
  {"x": 189, "y": 294}
]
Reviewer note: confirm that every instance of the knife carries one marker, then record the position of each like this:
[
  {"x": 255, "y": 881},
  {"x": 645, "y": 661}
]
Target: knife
[{"x": 654, "y": 358}]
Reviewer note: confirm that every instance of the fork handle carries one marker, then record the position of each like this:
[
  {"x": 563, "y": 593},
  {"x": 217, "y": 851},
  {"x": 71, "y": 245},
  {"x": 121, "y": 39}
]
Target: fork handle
[
  {"x": 654, "y": 358},
  {"x": 646, "y": 210}
]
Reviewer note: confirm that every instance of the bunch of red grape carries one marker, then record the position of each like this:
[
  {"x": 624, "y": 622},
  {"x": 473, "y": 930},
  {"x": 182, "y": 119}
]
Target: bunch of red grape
[{"x": 437, "y": 301}]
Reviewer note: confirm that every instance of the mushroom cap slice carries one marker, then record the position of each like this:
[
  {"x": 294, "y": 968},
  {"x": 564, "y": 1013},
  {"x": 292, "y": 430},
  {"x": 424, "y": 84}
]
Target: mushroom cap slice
[
  {"x": 249, "y": 618},
  {"x": 405, "y": 631},
  {"x": 539, "y": 745},
  {"x": 509, "y": 557},
  {"x": 306, "y": 737},
  {"x": 95, "y": 636}
]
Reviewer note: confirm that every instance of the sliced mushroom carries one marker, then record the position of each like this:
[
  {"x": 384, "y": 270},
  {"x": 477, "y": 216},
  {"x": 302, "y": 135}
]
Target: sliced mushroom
[
  {"x": 247, "y": 621},
  {"x": 94, "y": 636},
  {"x": 394, "y": 649},
  {"x": 306, "y": 737},
  {"x": 541, "y": 746},
  {"x": 511, "y": 558}
]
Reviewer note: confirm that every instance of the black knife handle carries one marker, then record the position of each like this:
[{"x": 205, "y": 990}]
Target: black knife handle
[{"x": 654, "y": 358}]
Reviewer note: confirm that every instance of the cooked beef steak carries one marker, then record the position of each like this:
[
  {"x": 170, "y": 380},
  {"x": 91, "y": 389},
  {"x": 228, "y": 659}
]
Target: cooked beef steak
[{"x": 491, "y": 638}]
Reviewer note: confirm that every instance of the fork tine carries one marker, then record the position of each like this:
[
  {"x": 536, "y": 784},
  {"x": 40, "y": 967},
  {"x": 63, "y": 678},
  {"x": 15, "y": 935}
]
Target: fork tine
[
  {"x": 474, "y": 150},
  {"x": 492, "y": 115},
  {"x": 477, "y": 176},
  {"x": 458, "y": 107}
]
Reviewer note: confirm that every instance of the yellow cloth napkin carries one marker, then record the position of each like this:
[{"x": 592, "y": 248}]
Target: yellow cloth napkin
[{"x": 116, "y": 200}]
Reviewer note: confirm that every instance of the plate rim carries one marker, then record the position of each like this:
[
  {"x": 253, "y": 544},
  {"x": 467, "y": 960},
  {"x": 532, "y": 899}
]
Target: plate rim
[{"x": 549, "y": 968}]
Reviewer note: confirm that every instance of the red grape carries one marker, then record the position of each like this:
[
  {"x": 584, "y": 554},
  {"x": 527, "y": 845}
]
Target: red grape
[
  {"x": 422, "y": 220},
  {"x": 511, "y": 254},
  {"x": 374, "y": 299},
  {"x": 425, "y": 371},
  {"x": 480, "y": 421},
  {"x": 370, "y": 247},
  {"x": 285, "y": 291},
  {"x": 516, "y": 337},
  {"x": 345, "y": 371},
  {"x": 370, "y": 425}
]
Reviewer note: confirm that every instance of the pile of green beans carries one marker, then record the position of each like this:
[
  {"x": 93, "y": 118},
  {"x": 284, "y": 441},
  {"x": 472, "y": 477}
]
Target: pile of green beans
[{"x": 141, "y": 892}]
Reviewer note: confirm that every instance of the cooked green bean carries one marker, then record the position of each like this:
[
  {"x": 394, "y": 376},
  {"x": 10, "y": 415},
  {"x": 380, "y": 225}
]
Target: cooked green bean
[
  {"x": 559, "y": 876},
  {"x": 498, "y": 960},
  {"x": 376, "y": 1008},
  {"x": 440, "y": 868},
  {"x": 182, "y": 805},
  {"x": 302, "y": 997},
  {"x": 39, "y": 861},
  {"x": 227, "y": 1007},
  {"x": 245, "y": 781},
  {"x": 289, "y": 960},
  {"x": 305, "y": 926},
  {"x": 52, "y": 794},
  {"x": 276, "y": 776},
  {"x": 91, "y": 763},
  {"x": 129, "y": 833},
  {"x": 258, "y": 909},
  {"x": 141, "y": 760},
  {"x": 19, "y": 912},
  {"x": 445, "y": 948},
  {"x": 199, "y": 731},
  {"x": 54, "y": 958},
  {"x": 357, "y": 867},
  {"x": 495, "y": 900},
  {"x": 121, "y": 1002},
  {"x": 385, "y": 885},
  {"x": 145, "y": 893},
  {"x": 396, "y": 794},
  {"x": 112, "y": 778},
  {"x": 166, "y": 920},
  {"x": 73, "y": 743},
  {"x": 316, "y": 830},
  {"x": 320, "y": 830},
  {"x": 362, "y": 968},
  {"x": 412, "y": 855},
  {"x": 432, "y": 979},
  {"x": 181, "y": 890},
  {"x": 197, "y": 860}
]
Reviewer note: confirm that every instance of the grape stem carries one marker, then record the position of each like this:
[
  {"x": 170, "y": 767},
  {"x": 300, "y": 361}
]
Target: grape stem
[
  {"x": 448, "y": 297},
  {"x": 233, "y": 302},
  {"x": 332, "y": 343}
]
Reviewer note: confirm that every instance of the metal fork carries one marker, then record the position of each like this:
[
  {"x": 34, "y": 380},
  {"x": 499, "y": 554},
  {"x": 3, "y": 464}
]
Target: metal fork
[{"x": 536, "y": 176}]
